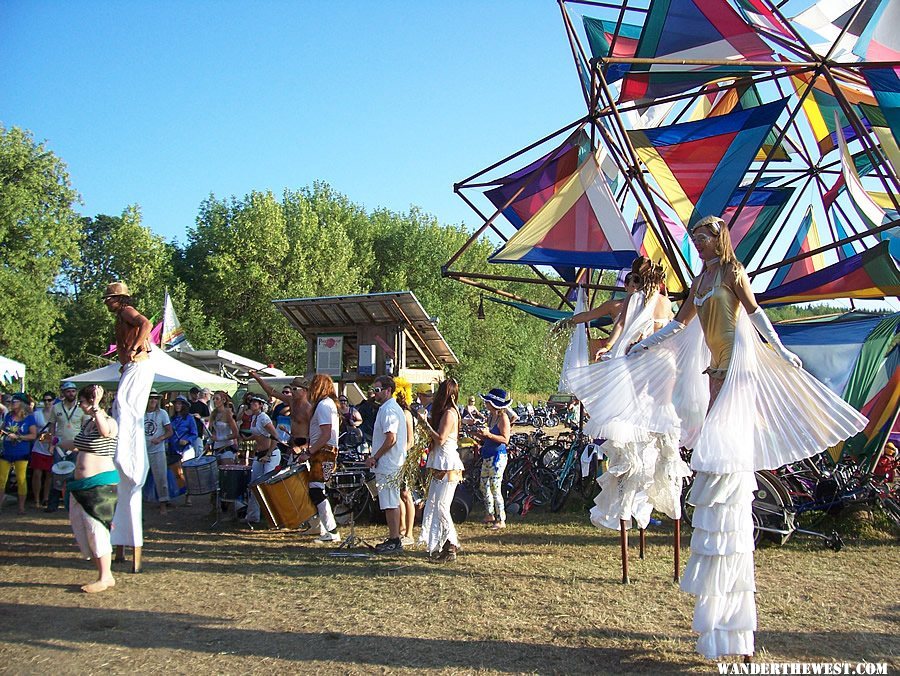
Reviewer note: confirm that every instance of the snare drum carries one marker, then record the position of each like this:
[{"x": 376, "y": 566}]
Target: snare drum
[
  {"x": 283, "y": 496},
  {"x": 233, "y": 481},
  {"x": 62, "y": 472},
  {"x": 201, "y": 475}
]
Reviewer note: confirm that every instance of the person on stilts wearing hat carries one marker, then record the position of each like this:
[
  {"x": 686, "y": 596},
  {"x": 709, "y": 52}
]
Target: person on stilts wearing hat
[{"x": 133, "y": 350}]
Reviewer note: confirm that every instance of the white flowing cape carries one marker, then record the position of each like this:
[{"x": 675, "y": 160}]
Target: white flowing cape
[{"x": 768, "y": 413}]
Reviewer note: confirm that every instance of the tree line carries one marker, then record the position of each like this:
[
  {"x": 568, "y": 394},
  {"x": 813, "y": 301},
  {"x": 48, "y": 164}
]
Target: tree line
[{"x": 238, "y": 255}]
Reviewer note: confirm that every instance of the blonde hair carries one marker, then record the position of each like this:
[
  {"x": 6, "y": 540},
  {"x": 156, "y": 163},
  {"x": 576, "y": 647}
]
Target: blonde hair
[{"x": 724, "y": 248}]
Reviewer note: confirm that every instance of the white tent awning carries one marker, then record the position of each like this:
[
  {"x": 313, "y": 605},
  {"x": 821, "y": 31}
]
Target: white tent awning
[
  {"x": 170, "y": 375},
  {"x": 11, "y": 370}
]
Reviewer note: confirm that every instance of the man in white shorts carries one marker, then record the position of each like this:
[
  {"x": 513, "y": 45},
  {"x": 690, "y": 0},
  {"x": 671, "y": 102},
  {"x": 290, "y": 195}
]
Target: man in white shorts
[{"x": 387, "y": 459}]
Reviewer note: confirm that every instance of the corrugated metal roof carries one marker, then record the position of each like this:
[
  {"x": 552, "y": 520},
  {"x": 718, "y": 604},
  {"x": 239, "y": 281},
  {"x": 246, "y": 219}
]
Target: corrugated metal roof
[{"x": 342, "y": 314}]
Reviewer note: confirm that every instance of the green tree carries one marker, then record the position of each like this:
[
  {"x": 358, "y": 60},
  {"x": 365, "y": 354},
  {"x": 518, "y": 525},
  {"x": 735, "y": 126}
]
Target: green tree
[
  {"x": 39, "y": 231},
  {"x": 122, "y": 248}
]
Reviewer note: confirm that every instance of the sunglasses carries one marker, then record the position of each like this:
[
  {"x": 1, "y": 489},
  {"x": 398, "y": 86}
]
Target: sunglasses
[
  {"x": 376, "y": 389},
  {"x": 299, "y": 387},
  {"x": 48, "y": 401},
  {"x": 285, "y": 391}
]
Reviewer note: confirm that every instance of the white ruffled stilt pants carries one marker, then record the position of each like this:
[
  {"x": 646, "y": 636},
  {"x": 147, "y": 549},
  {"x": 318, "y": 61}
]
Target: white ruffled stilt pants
[
  {"x": 131, "y": 453},
  {"x": 720, "y": 570}
]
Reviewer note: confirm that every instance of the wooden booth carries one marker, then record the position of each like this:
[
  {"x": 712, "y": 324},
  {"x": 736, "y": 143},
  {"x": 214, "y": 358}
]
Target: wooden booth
[{"x": 357, "y": 338}]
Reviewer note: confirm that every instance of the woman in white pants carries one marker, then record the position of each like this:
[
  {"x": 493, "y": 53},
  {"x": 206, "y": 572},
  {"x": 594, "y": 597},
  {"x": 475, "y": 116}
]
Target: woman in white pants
[
  {"x": 267, "y": 453},
  {"x": 438, "y": 532}
]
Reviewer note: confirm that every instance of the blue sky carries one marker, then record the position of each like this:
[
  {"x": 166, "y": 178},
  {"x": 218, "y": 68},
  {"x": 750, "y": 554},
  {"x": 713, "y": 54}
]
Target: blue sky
[{"x": 161, "y": 103}]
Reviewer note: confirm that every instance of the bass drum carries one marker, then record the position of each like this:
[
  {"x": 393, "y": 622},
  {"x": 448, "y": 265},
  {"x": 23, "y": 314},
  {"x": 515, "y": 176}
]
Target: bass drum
[{"x": 283, "y": 496}]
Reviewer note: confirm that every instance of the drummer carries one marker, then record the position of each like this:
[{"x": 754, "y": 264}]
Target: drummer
[
  {"x": 268, "y": 455},
  {"x": 301, "y": 408}
]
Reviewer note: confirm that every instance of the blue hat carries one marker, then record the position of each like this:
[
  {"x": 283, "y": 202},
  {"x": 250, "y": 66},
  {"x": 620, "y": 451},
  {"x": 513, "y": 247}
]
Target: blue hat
[
  {"x": 68, "y": 385},
  {"x": 20, "y": 396},
  {"x": 497, "y": 398},
  {"x": 183, "y": 398}
]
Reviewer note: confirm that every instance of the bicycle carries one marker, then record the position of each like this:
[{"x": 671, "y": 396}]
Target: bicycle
[{"x": 570, "y": 476}]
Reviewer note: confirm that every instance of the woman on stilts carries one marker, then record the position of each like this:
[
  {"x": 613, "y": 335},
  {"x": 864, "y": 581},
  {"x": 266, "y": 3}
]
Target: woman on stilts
[{"x": 757, "y": 410}]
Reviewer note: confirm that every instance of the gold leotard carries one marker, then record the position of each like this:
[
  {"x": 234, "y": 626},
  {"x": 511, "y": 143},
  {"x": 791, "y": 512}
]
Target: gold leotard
[{"x": 718, "y": 313}]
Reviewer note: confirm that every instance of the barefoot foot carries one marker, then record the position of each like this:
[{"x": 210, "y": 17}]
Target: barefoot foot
[{"x": 98, "y": 586}]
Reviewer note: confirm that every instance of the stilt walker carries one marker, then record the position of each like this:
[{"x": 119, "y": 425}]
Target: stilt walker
[{"x": 133, "y": 349}]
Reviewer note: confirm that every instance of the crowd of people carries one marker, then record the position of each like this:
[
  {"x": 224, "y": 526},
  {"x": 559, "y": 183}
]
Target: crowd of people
[{"x": 660, "y": 383}]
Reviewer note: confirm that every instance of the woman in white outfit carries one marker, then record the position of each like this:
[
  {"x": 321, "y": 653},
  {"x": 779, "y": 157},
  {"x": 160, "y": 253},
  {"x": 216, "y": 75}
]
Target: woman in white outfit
[
  {"x": 645, "y": 470},
  {"x": 757, "y": 410},
  {"x": 268, "y": 455},
  {"x": 438, "y": 532}
]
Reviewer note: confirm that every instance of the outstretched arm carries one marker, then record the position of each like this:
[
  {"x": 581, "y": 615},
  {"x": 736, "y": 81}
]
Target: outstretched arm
[{"x": 268, "y": 389}]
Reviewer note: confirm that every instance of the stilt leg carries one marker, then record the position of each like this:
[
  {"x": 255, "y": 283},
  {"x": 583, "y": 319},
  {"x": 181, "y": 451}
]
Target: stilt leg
[
  {"x": 676, "y": 544},
  {"x": 623, "y": 539},
  {"x": 643, "y": 544}
]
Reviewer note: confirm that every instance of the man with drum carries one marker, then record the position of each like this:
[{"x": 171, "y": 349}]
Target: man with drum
[
  {"x": 301, "y": 408},
  {"x": 387, "y": 459},
  {"x": 65, "y": 423},
  {"x": 133, "y": 351}
]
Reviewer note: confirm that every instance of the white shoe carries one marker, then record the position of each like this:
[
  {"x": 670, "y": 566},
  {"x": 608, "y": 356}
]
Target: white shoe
[
  {"x": 329, "y": 537},
  {"x": 407, "y": 541}
]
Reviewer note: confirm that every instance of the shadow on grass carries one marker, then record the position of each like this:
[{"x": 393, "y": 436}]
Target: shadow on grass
[{"x": 214, "y": 636}]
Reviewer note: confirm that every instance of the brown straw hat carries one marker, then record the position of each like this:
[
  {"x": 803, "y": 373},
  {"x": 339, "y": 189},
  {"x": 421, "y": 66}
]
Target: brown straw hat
[{"x": 116, "y": 289}]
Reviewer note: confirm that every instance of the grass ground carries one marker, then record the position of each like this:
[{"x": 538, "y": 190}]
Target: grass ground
[{"x": 542, "y": 597}]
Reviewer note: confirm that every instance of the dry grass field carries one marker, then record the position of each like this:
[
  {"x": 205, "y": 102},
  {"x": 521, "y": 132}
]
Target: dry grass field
[{"x": 542, "y": 597}]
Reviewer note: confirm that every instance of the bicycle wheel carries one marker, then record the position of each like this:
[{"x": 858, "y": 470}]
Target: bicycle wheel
[
  {"x": 892, "y": 509},
  {"x": 553, "y": 456},
  {"x": 771, "y": 505},
  {"x": 562, "y": 490},
  {"x": 540, "y": 485}
]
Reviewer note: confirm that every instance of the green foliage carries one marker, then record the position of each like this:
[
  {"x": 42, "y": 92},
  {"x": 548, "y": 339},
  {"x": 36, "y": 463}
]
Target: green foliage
[
  {"x": 240, "y": 255},
  {"x": 38, "y": 233}
]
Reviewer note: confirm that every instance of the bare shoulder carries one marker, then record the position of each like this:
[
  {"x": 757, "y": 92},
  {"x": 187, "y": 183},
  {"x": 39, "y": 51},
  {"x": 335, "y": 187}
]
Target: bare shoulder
[{"x": 130, "y": 315}]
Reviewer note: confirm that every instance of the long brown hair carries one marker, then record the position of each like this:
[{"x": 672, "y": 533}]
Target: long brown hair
[
  {"x": 321, "y": 387},
  {"x": 226, "y": 399},
  {"x": 446, "y": 397}
]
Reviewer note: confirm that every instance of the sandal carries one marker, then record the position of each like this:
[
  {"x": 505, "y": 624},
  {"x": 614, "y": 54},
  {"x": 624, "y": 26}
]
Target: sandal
[{"x": 498, "y": 525}]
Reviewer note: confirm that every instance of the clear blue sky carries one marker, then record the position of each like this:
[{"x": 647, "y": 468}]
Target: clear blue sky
[{"x": 161, "y": 103}]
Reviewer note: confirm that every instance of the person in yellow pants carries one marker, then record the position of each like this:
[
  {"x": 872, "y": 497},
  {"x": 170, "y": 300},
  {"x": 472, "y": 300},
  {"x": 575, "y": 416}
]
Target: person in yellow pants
[{"x": 19, "y": 432}]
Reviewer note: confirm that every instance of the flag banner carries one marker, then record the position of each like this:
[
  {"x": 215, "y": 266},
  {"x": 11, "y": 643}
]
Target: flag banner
[
  {"x": 805, "y": 240},
  {"x": 698, "y": 165},
  {"x": 708, "y": 30},
  {"x": 172, "y": 338},
  {"x": 870, "y": 274},
  {"x": 581, "y": 225}
]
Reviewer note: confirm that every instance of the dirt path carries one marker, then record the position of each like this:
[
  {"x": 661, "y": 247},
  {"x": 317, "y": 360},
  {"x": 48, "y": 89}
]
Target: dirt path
[{"x": 542, "y": 597}]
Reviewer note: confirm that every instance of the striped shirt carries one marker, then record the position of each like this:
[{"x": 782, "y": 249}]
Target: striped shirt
[{"x": 90, "y": 441}]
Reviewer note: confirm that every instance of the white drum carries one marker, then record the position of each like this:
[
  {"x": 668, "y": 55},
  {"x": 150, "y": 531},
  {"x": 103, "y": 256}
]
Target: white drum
[{"x": 62, "y": 472}]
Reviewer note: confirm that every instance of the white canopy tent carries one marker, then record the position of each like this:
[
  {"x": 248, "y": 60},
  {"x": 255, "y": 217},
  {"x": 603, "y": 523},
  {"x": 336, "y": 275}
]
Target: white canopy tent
[
  {"x": 11, "y": 370},
  {"x": 170, "y": 376}
]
